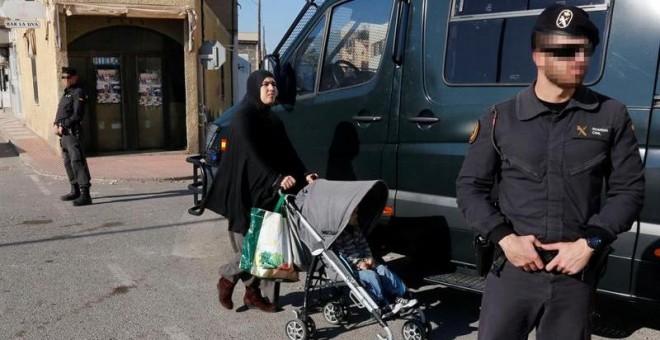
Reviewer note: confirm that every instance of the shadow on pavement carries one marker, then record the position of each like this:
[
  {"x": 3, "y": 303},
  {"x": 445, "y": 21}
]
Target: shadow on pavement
[
  {"x": 140, "y": 197},
  {"x": 76, "y": 236}
]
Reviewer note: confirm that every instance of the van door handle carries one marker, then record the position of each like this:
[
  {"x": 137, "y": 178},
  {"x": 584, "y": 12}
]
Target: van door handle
[
  {"x": 424, "y": 120},
  {"x": 367, "y": 119}
]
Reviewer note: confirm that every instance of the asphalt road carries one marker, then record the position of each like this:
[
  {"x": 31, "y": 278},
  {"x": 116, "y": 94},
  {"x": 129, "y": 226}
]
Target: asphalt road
[{"x": 135, "y": 265}]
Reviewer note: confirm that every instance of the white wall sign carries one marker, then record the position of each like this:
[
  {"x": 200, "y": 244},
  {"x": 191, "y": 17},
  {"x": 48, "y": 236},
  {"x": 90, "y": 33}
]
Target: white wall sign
[
  {"x": 22, "y": 23},
  {"x": 22, "y": 9}
]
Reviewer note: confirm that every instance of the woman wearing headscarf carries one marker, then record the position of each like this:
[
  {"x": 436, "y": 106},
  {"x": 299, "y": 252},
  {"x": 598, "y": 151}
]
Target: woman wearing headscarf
[{"x": 258, "y": 160}]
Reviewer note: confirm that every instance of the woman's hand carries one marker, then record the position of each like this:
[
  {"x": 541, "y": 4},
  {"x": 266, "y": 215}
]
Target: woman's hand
[
  {"x": 311, "y": 177},
  {"x": 288, "y": 182}
]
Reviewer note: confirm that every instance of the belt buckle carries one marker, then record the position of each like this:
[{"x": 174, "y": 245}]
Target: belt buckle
[{"x": 546, "y": 255}]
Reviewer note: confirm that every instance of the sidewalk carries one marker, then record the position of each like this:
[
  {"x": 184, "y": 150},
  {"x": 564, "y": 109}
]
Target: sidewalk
[{"x": 36, "y": 153}]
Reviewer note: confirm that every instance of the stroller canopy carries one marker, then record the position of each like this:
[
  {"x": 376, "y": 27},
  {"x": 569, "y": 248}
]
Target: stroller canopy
[{"x": 328, "y": 205}]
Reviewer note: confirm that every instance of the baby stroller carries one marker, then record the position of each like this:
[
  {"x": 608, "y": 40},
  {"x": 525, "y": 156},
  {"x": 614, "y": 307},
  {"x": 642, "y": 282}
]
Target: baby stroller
[{"x": 318, "y": 214}]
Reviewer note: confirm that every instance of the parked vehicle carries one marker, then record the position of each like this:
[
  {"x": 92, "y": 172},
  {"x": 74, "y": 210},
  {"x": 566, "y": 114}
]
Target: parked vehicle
[{"x": 375, "y": 89}]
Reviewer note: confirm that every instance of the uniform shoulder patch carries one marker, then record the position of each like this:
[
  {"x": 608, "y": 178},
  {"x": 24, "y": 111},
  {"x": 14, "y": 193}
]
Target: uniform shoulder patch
[{"x": 475, "y": 132}]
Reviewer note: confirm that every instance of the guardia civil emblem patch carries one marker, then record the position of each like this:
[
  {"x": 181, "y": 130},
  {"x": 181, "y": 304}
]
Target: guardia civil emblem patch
[
  {"x": 564, "y": 18},
  {"x": 475, "y": 132}
]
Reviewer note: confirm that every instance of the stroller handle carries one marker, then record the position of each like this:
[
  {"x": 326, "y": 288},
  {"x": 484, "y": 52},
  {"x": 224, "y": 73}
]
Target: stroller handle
[{"x": 315, "y": 248}]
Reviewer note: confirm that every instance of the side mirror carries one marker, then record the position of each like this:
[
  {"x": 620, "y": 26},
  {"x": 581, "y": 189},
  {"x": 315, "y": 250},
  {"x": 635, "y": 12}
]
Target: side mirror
[{"x": 285, "y": 76}]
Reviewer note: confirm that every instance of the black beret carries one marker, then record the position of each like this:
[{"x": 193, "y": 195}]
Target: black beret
[
  {"x": 69, "y": 70},
  {"x": 568, "y": 20}
]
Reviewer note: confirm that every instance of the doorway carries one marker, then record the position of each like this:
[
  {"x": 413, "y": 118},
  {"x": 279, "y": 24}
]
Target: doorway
[{"x": 134, "y": 78}]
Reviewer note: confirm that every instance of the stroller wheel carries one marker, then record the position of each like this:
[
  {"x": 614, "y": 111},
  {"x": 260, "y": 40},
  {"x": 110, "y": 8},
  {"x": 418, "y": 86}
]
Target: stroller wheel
[
  {"x": 311, "y": 326},
  {"x": 296, "y": 330},
  {"x": 413, "y": 330},
  {"x": 334, "y": 313}
]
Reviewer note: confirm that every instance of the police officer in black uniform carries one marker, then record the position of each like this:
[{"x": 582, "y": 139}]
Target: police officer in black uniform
[
  {"x": 67, "y": 126},
  {"x": 550, "y": 148}
]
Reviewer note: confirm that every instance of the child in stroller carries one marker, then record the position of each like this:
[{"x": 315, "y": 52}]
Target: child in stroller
[
  {"x": 325, "y": 213},
  {"x": 383, "y": 285}
]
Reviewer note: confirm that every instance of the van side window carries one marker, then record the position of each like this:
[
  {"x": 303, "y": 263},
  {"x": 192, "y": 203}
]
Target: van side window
[
  {"x": 487, "y": 46},
  {"x": 356, "y": 41},
  {"x": 306, "y": 59},
  {"x": 472, "y": 7}
]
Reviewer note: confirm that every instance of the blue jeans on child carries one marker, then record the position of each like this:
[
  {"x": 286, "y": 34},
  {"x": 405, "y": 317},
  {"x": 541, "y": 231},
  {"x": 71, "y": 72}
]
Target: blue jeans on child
[{"x": 382, "y": 284}]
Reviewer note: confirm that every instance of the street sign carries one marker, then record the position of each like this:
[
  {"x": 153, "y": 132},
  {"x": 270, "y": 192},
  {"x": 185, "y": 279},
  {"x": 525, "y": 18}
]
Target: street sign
[
  {"x": 212, "y": 55},
  {"x": 32, "y": 23},
  {"x": 22, "y": 9}
]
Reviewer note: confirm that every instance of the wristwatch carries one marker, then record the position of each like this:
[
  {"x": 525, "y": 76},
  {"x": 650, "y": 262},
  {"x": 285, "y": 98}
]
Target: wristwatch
[{"x": 595, "y": 242}]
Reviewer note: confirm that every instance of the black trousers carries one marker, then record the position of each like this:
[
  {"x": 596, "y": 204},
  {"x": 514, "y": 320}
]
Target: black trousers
[
  {"x": 515, "y": 302},
  {"x": 74, "y": 159}
]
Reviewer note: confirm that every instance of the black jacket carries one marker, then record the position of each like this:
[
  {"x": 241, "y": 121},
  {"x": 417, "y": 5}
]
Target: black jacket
[
  {"x": 71, "y": 109},
  {"x": 550, "y": 167},
  {"x": 258, "y": 154}
]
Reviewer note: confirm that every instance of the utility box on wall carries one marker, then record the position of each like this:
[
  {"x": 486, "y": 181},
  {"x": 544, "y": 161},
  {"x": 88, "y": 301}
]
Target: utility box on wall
[{"x": 212, "y": 55}]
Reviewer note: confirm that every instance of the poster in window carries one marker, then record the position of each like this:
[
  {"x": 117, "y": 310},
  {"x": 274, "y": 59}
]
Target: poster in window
[
  {"x": 108, "y": 86},
  {"x": 150, "y": 89}
]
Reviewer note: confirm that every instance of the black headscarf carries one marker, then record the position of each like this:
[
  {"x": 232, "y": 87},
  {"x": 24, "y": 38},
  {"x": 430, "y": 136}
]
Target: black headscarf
[
  {"x": 253, "y": 95},
  {"x": 258, "y": 154}
]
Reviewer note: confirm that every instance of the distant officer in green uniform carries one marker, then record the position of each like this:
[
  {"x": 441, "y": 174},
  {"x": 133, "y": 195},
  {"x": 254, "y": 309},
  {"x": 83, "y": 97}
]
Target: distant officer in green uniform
[
  {"x": 550, "y": 149},
  {"x": 67, "y": 126}
]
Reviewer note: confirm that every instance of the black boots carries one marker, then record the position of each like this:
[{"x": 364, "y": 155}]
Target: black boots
[
  {"x": 84, "y": 199},
  {"x": 75, "y": 193}
]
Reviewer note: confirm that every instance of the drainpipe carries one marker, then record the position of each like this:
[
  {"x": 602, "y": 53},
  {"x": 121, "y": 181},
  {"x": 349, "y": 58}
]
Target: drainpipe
[{"x": 201, "y": 88}]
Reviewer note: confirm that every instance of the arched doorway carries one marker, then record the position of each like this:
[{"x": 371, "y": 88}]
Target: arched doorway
[{"x": 135, "y": 81}]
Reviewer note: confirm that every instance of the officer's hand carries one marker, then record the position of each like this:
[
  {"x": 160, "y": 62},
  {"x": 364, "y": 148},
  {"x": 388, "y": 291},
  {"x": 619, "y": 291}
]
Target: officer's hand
[
  {"x": 520, "y": 252},
  {"x": 571, "y": 258},
  {"x": 57, "y": 130},
  {"x": 288, "y": 182}
]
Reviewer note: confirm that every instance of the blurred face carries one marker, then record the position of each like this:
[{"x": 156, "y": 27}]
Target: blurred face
[
  {"x": 68, "y": 79},
  {"x": 268, "y": 91},
  {"x": 563, "y": 60}
]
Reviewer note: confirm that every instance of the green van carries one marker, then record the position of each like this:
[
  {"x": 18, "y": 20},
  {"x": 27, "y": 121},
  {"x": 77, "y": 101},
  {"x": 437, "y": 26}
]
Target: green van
[{"x": 390, "y": 89}]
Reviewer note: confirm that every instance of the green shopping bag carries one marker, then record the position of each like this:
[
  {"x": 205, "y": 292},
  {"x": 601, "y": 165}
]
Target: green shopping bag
[{"x": 257, "y": 216}]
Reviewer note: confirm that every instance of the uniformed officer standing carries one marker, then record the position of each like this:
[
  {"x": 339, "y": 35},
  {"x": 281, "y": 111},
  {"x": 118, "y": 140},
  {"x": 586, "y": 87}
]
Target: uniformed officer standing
[
  {"x": 550, "y": 148},
  {"x": 67, "y": 126}
]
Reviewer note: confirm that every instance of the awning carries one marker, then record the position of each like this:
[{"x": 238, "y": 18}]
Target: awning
[{"x": 135, "y": 11}]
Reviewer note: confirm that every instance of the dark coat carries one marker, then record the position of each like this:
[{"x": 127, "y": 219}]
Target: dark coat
[
  {"x": 550, "y": 168},
  {"x": 71, "y": 109},
  {"x": 258, "y": 155}
]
